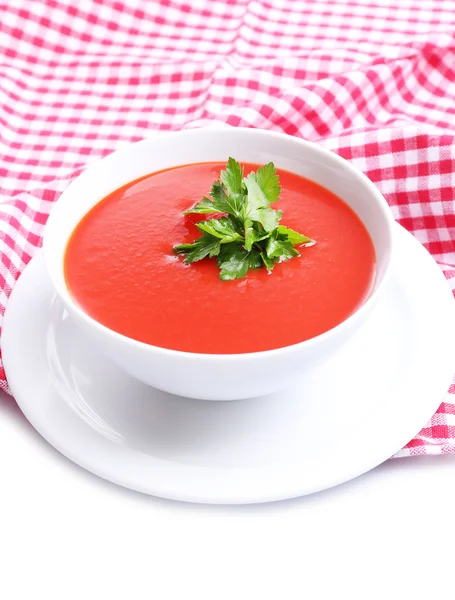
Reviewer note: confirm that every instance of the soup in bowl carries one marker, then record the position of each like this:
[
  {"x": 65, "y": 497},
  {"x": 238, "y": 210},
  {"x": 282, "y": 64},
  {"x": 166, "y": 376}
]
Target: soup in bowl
[{"x": 216, "y": 279}]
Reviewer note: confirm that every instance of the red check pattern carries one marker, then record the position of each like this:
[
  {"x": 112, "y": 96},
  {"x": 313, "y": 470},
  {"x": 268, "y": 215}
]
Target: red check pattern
[{"x": 372, "y": 80}]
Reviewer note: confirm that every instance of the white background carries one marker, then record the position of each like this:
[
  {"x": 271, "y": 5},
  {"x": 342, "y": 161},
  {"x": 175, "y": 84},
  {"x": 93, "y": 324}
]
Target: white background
[{"x": 66, "y": 534}]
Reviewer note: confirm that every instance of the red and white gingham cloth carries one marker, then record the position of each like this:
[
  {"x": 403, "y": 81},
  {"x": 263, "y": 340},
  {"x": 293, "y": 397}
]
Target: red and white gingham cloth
[{"x": 372, "y": 80}]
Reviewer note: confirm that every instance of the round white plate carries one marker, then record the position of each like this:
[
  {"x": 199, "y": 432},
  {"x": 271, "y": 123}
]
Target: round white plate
[{"x": 348, "y": 416}]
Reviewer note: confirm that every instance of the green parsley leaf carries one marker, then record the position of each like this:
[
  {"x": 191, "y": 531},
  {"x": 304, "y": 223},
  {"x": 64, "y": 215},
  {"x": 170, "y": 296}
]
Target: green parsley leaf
[
  {"x": 254, "y": 260},
  {"x": 254, "y": 233},
  {"x": 229, "y": 203},
  {"x": 234, "y": 262},
  {"x": 204, "y": 207},
  {"x": 206, "y": 245},
  {"x": 237, "y": 225},
  {"x": 232, "y": 177},
  {"x": 256, "y": 207},
  {"x": 268, "y": 182},
  {"x": 269, "y": 263},
  {"x": 220, "y": 228},
  {"x": 221, "y": 202},
  {"x": 268, "y": 218},
  {"x": 280, "y": 249},
  {"x": 248, "y": 234},
  {"x": 294, "y": 237}
]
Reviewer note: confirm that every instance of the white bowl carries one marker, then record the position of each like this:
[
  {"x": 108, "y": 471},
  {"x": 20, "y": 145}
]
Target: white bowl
[{"x": 207, "y": 376}]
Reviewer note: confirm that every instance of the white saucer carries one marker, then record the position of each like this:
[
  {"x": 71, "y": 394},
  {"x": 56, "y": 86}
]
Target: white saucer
[{"x": 347, "y": 417}]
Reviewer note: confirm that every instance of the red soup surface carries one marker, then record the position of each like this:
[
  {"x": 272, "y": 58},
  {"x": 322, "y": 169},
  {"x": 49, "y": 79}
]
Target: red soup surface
[{"x": 120, "y": 268}]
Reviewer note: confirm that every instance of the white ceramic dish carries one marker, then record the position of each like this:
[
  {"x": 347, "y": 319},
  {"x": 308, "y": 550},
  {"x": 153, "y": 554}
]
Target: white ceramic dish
[
  {"x": 203, "y": 375},
  {"x": 338, "y": 421}
]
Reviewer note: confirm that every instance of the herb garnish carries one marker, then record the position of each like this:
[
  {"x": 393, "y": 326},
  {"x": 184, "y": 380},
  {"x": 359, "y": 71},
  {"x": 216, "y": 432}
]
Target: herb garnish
[{"x": 248, "y": 234}]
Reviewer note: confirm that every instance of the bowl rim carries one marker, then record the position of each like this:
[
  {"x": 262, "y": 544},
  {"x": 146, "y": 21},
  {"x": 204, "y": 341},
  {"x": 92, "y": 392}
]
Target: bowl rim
[{"x": 65, "y": 295}]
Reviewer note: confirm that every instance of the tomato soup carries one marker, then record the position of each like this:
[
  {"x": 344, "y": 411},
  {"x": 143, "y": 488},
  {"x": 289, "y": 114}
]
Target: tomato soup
[{"x": 120, "y": 268}]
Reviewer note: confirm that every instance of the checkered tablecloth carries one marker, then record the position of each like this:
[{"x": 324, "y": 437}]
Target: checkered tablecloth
[{"x": 372, "y": 80}]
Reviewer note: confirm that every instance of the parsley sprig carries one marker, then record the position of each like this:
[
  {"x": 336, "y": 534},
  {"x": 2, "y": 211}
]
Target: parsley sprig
[{"x": 246, "y": 233}]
